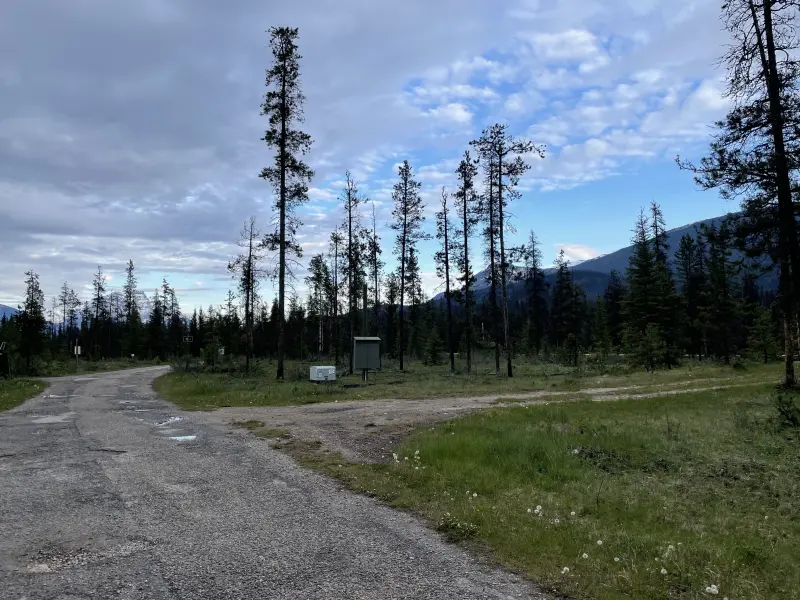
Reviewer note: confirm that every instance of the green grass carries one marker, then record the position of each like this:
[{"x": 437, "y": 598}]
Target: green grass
[
  {"x": 207, "y": 391},
  {"x": 68, "y": 367},
  {"x": 703, "y": 486},
  {"x": 14, "y": 392}
]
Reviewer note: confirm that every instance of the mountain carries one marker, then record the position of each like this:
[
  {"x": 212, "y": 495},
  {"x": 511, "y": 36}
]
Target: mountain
[
  {"x": 593, "y": 274},
  {"x": 7, "y": 311}
]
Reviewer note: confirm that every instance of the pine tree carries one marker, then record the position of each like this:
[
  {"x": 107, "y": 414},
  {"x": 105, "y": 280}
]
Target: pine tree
[
  {"x": 641, "y": 306},
  {"x": 667, "y": 302},
  {"x": 246, "y": 268},
  {"x": 408, "y": 219},
  {"x": 602, "y": 334},
  {"x": 536, "y": 309},
  {"x": 467, "y": 205},
  {"x": 289, "y": 175},
  {"x": 319, "y": 281},
  {"x": 376, "y": 265},
  {"x": 752, "y": 157},
  {"x": 613, "y": 299},
  {"x": 336, "y": 245},
  {"x": 99, "y": 308},
  {"x": 32, "y": 321},
  {"x": 442, "y": 258},
  {"x": 725, "y": 312},
  {"x": 505, "y": 152},
  {"x": 133, "y": 320},
  {"x": 392, "y": 299},
  {"x": 354, "y": 260}
]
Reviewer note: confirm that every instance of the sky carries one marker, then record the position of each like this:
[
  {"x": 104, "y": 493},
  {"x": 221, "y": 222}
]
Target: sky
[{"x": 131, "y": 130}]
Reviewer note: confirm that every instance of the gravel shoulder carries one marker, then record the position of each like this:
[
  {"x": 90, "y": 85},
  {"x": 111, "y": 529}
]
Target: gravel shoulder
[{"x": 110, "y": 492}]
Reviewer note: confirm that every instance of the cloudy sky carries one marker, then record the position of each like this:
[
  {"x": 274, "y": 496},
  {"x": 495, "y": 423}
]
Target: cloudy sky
[{"x": 131, "y": 129}]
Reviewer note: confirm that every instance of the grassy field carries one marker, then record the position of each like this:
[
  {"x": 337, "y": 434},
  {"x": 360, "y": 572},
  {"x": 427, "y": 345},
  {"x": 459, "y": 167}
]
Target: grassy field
[
  {"x": 207, "y": 391},
  {"x": 690, "y": 496},
  {"x": 14, "y": 392}
]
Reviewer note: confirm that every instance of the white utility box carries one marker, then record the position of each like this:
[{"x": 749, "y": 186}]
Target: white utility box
[{"x": 323, "y": 373}]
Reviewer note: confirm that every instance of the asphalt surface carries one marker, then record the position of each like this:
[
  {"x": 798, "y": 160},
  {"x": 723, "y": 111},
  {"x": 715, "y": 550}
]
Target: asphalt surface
[{"x": 107, "y": 491}]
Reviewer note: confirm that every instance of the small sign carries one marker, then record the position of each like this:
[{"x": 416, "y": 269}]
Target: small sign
[
  {"x": 2, "y": 346},
  {"x": 188, "y": 339},
  {"x": 77, "y": 350}
]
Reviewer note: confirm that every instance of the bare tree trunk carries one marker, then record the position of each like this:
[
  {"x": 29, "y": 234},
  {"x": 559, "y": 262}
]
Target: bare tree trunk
[
  {"x": 282, "y": 237},
  {"x": 788, "y": 246},
  {"x": 503, "y": 266}
]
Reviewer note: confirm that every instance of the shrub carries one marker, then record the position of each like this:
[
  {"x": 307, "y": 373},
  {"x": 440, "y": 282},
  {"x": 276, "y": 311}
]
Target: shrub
[{"x": 788, "y": 411}]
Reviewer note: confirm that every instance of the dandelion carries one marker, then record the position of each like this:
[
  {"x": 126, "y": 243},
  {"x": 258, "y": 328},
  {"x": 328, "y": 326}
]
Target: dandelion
[
  {"x": 599, "y": 542},
  {"x": 663, "y": 571},
  {"x": 475, "y": 494},
  {"x": 538, "y": 508},
  {"x": 572, "y": 514},
  {"x": 565, "y": 570},
  {"x": 616, "y": 559},
  {"x": 585, "y": 556}
]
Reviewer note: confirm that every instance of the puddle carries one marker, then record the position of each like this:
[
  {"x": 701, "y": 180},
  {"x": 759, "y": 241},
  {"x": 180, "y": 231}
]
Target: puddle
[
  {"x": 170, "y": 431},
  {"x": 62, "y": 418},
  {"x": 53, "y": 396},
  {"x": 183, "y": 438},
  {"x": 168, "y": 421}
]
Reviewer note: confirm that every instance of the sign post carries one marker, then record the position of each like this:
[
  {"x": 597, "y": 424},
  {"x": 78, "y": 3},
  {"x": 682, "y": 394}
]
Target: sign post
[
  {"x": 188, "y": 339},
  {"x": 77, "y": 354}
]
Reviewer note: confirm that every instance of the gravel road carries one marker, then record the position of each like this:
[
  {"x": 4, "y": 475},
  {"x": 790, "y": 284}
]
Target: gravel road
[{"x": 107, "y": 491}]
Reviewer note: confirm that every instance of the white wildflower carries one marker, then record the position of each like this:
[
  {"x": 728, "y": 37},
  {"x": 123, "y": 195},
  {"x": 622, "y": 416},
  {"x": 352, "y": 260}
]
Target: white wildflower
[
  {"x": 416, "y": 468},
  {"x": 575, "y": 451},
  {"x": 616, "y": 559},
  {"x": 663, "y": 571},
  {"x": 585, "y": 556},
  {"x": 405, "y": 458},
  {"x": 556, "y": 521},
  {"x": 712, "y": 589},
  {"x": 538, "y": 508},
  {"x": 565, "y": 570},
  {"x": 599, "y": 542},
  {"x": 529, "y": 511},
  {"x": 572, "y": 514}
]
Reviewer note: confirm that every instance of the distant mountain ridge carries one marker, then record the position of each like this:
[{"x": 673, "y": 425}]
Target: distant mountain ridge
[
  {"x": 7, "y": 311},
  {"x": 593, "y": 274}
]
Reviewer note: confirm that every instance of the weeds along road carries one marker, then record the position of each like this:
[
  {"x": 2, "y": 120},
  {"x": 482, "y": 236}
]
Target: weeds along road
[{"x": 106, "y": 491}]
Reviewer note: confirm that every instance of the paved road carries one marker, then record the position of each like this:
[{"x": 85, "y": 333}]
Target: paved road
[{"x": 106, "y": 491}]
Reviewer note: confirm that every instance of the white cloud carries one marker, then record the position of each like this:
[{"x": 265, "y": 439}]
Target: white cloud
[
  {"x": 577, "y": 252},
  {"x": 454, "y": 112}
]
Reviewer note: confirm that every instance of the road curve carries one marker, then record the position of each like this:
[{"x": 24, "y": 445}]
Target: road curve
[{"x": 107, "y": 491}]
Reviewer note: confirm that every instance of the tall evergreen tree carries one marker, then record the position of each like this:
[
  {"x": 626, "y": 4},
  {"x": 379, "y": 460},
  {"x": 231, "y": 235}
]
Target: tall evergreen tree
[
  {"x": 408, "y": 219},
  {"x": 99, "y": 308},
  {"x": 505, "y": 152},
  {"x": 467, "y": 206},
  {"x": 613, "y": 299},
  {"x": 32, "y": 321},
  {"x": 289, "y": 175},
  {"x": 354, "y": 257},
  {"x": 336, "y": 246},
  {"x": 442, "y": 259},
  {"x": 754, "y": 154},
  {"x": 376, "y": 265},
  {"x": 536, "y": 308},
  {"x": 245, "y": 267}
]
